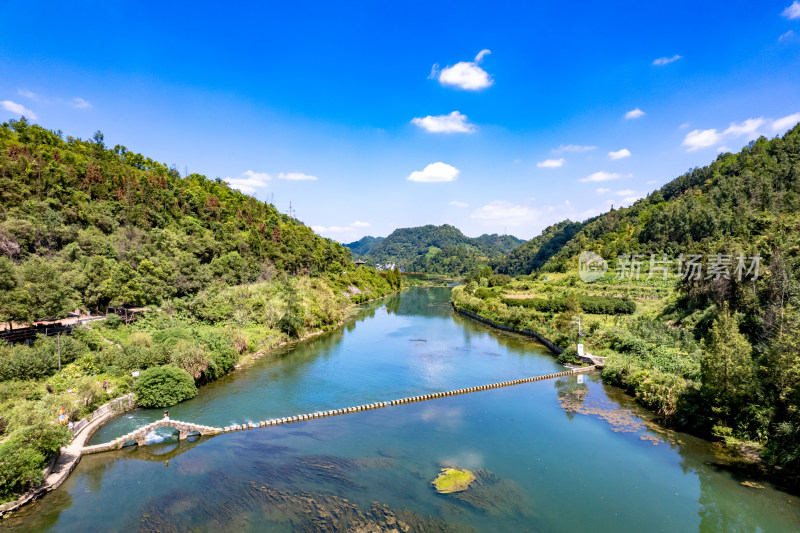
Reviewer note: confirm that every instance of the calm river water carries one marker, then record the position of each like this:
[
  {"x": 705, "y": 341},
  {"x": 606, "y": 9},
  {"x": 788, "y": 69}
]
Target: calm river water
[{"x": 558, "y": 455}]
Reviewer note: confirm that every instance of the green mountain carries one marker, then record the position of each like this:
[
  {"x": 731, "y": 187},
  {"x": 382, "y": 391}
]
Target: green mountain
[
  {"x": 502, "y": 243},
  {"x": 439, "y": 249},
  {"x": 363, "y": 245},
  {"x": 87, "y": 225},
  {"x": 721, "y": 352},
  {"x": 532, "y": 255}
]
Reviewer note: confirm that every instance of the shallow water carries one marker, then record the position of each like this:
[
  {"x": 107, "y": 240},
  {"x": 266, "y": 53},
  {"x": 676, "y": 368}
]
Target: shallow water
[{"x": 555, "y": 455}]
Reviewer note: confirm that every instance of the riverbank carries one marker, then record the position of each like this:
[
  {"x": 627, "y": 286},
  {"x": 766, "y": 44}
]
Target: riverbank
[
  {"x": 545, "y": 443},
  {"x": 654, "y": 364},
  {"x": 206, "y": 336},
  {"x": 522, "y": 331},
  {"x": 69, "y": 456}
]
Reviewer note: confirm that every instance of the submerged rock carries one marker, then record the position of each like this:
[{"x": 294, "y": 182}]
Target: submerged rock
[
  {"x": 229, "y": 502},
  {"x": 453, "y": 480},
  {"x": 491, "y": 494},
  {"x": 295, "y": 511}
]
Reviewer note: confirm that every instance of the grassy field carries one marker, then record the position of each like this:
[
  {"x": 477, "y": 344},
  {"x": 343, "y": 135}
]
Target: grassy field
[{"x": 647, "y": 352}]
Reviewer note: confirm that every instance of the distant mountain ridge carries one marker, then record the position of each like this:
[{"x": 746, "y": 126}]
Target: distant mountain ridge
[
  {"x": 363, "y": 245},
  {"x": 436, "y": 249}
]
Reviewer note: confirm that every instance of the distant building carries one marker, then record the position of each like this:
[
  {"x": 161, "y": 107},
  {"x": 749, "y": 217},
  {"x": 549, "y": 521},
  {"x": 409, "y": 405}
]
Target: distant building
[{"x": 360, "y": 262}]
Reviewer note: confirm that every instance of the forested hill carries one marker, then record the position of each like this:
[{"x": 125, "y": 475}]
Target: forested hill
[
  {"x": 533, "y": 254},
  {"x": 721, "y": 352},
  {"x": 743, "y": 204},
  {"x": 363, "y": 245},
  {"x": 744, "y": 201},
  {"x": 87, "y": 225},
  {"x": 439, "y": 249}
]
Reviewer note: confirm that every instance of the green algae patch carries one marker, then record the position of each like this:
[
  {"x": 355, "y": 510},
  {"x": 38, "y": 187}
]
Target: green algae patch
[{"x": 453, "y": 480}]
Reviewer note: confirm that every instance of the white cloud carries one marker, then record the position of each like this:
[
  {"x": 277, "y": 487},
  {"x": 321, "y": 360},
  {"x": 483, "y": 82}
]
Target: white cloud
[
  {"x": 342, "y": 233},
  {"x": 331, "y": 229},
  {"x": 459, "y": 204},
  {"x": 479, "y": 57},
  {"x": 18, "y": 109},
  {"x": 634, "y": 113},
  {"x": 454, "y": 122},
  {"x": 697, "y": 139},
  {"x": 620, "y": 154},
  {"x": 783, "y": 124},
  {"x": 296, "y": 176},
  {"x": 550, "y": 163},
  {"x": 626, "y": 192},
  {"x": 630, "y": 199},
  {"x": 651, "y": 182},
  {"x": 747, "y": 128},
  {"x": 80, "y": 103},
  {"x": 435, "y": 172},
  {"x": 28, "y": 94},
  {"x": 603, "y": 190},
  {"x": 793, "y": 11},
  {"x": 505, "y": 213},
  {"x": 249, "y": 182},
  {"x": 466, "y": 75},
  {"x": 666, "y": 60},
  {"x": 788, "y": 35},
  {"x": 572, "y": 148},
  {"x": 603, "y": 176},
  {"x": 750, "y": 129},
  {"x": 684, "y": 125}
]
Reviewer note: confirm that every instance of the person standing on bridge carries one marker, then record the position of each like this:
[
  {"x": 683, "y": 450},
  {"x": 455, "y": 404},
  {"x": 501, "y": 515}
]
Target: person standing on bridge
[{"x": 166, "y": 414}]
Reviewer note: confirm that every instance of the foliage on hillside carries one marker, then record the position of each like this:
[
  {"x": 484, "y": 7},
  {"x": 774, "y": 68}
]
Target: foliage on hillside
[
  {"x": 203, "y": 335},
  {"x": 535, "y": 253},
  {"x": 439, "y": 249},
  {"x": 719, "y": 354},
  {"x": 87, "y": 226}
]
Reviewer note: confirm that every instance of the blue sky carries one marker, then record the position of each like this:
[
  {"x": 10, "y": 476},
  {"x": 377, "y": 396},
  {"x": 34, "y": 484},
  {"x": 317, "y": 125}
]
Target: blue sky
[{"x": 494, "y": 117}]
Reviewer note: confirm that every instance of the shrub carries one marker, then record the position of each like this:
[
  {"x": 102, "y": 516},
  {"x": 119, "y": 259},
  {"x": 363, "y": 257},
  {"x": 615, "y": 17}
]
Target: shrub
[
  {"x": 19, "y": 470},
  {"x": 24, "y": 455},
  {"x": 596, "y": 305},
  {"x": 38, "y": 360},
  {"x": 191, "y": 357},
  {"x": 164, "y": 386},
  {"x": 113, "y": 321}
]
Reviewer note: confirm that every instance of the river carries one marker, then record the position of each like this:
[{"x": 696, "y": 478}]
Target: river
[{"x": 561, "y": 455}]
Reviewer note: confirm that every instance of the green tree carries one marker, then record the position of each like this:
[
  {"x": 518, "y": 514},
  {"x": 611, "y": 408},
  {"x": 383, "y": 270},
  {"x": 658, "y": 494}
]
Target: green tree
[
  {"x": 47, "y": 295},
  {"x": 163, "y": 386},
  {"x": 123, "y": 286},
  {"x": 293, "y": 316},
  {"x": 726, "y": 368},
  {"x": 152, "y": 282},
  {"x": 13, "y": 300},
  {"x": 781, "y": 370}
]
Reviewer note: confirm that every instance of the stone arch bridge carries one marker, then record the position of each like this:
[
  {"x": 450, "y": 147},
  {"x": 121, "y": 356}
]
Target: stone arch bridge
[{"x": 139, "y": 435}]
